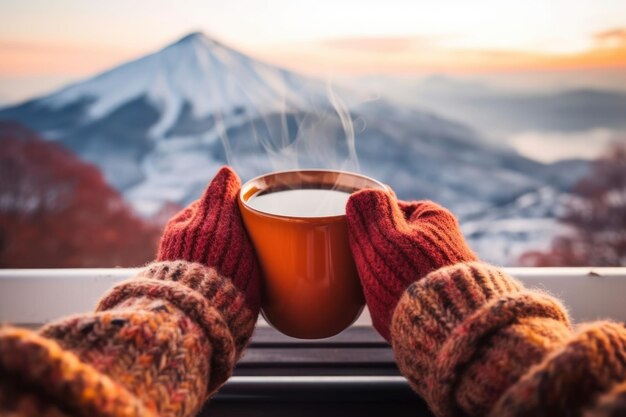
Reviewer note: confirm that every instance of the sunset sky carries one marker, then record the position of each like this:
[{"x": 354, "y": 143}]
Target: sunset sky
[{"x": 47, "y": 42}]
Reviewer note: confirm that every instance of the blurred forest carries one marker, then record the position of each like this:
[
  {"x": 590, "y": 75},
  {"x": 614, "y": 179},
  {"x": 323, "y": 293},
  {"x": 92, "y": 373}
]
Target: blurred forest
[
  {"x": 595, "y": 217},
  {"x": 57, "y": 211}
]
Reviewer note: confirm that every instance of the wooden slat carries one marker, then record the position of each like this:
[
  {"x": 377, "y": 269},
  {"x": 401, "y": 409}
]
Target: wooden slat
[
  {"x": 271, "y": 396},
  {"x": 318, "y": 370},
  {"x": 362, "y": 335},
  {"x": 356, "y": 351},
  {"x": 306, "y": 356}
]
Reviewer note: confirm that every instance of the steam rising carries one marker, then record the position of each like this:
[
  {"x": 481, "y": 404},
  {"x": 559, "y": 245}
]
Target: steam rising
[
  {"x": 297, "y": 126},
  {"x": 346, "y": 122}
]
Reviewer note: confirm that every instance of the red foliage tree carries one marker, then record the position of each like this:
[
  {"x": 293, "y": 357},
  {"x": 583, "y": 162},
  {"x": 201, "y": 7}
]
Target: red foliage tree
[
  {"x": 597, "y": 217},
  {"x": 57, "y": 211}
]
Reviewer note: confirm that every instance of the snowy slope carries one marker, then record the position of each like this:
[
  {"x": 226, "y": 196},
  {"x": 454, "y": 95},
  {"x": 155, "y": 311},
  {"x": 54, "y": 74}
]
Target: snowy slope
[
  {"x": 198, "y": 71},
  {"x": 143, "y": 121},
  {"x": 160, "y": 126}
]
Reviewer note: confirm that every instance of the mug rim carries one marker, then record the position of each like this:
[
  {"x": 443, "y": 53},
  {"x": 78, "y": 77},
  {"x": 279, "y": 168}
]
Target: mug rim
[{"x": 307, "y": 219}]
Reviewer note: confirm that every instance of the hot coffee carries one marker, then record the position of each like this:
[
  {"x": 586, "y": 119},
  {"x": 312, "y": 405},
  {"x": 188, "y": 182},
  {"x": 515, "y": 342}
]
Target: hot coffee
[
  {"x": 306, "y": 202},
  {"x": 296, "y": 221}
]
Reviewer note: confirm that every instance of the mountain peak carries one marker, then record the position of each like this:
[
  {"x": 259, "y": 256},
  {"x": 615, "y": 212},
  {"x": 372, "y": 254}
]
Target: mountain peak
[{"x": 196, "y": 37}]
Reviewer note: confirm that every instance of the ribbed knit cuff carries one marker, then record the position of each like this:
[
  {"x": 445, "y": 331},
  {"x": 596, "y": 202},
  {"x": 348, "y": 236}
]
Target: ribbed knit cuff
[
  {"x": 219, "y": 292},
  {"x": 211, "y": 300},
  {"x": 449, "y": 318},
  {"x": 433, "y": 307}
]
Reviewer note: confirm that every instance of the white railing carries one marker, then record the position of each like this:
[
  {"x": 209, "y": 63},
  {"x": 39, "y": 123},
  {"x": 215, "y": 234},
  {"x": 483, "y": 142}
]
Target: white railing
[{"x": 36, "y": 296}]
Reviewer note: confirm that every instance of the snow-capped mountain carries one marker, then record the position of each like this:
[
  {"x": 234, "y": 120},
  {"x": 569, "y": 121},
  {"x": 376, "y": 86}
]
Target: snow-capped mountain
[
  {"x": 180, "y": 97},
  {"x": 158, "y": 127},
  {"x": 195, "y": 74}
]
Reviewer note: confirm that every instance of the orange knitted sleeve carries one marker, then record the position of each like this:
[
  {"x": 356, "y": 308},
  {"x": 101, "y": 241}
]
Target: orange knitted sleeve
[
  {"x": 159, "y": 344},
  {"x": 474, "y": 342}
]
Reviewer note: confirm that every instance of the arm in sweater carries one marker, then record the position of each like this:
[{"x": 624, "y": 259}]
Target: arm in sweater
[
  {"x": 472, "y": 341},
  {"x": 158, "y": 344},
  {"x": 469, "y": 338}
]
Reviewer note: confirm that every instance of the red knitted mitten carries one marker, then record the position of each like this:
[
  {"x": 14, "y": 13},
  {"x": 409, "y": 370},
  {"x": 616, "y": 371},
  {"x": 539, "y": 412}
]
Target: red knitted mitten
[
  {"x": 395, "y": 243},
  {"x": 210, "y": 231}
]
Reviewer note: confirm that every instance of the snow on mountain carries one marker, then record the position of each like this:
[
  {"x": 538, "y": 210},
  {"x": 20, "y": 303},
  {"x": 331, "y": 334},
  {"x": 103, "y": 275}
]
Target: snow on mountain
[
  {"x": 195, "y": 71},
  {"x": 147, "y": 123},
  {"x": 159, "y": 127}
]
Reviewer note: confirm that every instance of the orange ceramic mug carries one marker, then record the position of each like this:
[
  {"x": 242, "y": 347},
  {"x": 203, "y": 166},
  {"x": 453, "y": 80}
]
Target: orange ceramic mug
[{"x": 311, "y": 286}]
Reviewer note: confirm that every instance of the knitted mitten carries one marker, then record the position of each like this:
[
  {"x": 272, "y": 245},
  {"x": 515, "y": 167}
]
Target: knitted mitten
[
  {"x": 473, "y": 342},
  {"x": 395, "y": 243},
  {"x": 158, "y": 344},
  {"x": 210, "y": 231}
]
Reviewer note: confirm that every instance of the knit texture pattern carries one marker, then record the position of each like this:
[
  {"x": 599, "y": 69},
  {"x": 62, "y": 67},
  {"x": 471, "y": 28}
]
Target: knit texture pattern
[
  {"x": 40, "y": 378},
  {"x": 159, "y": 344},
  {"x": 210, "y": 231},
  {"x": 396, "y": 243},
  {"x": 473, "y": 342}
]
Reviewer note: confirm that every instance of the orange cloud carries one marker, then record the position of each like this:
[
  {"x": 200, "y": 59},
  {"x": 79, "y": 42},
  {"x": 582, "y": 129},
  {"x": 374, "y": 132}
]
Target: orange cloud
[
  {"x": 410, "y": 55},
  {"x": 36, "y": 58},
  {"x": 612, "y": 37},
  {"x": 609, "y": 51}
]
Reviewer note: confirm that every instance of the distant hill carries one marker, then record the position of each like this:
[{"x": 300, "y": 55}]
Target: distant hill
[{"x": 507, "y": 111}]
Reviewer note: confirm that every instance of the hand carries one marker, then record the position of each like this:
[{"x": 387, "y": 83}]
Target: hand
[
  {"x": 395, "y": 243},
  {"x": 210, "y": 231}
]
